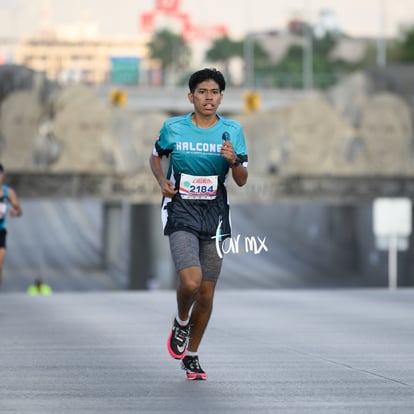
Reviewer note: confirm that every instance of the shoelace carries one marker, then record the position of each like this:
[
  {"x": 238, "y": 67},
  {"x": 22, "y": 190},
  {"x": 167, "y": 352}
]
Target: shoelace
[
  {"x": 195, "y": 365},
  {"x": 180, "y": 334}
]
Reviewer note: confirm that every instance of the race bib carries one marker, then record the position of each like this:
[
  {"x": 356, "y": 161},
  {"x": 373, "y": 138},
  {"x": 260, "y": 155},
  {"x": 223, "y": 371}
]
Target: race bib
[{"x": 193, "y": 187}]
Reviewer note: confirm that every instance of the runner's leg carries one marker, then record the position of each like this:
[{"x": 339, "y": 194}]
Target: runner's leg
[
  {"x": 188, "y": 285},
  {"x": 201, "y": 313},
  {"x": 2, "y": 258},
  {"x": 203, "y": 304}
]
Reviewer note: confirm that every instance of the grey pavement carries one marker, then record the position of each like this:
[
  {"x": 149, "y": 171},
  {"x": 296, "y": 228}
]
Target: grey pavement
[{"x": 265, "y": 351}]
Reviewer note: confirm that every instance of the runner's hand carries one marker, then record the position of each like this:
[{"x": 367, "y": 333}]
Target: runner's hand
[
  {"x": 227, "y": 151},
  {"x": 167, "y": 188}
]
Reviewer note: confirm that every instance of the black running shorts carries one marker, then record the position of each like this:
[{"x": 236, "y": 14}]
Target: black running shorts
[{"x": 3, "y": 235}]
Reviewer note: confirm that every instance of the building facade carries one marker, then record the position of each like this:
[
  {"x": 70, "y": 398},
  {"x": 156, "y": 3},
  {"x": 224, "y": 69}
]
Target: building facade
[{"x": 68, "y": 60}]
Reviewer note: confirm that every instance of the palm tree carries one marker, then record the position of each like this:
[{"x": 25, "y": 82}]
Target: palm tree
[
  {"x": 407, "y": 46},
  {"x": 222, "y": 50},
  {"x": 170, "y": 50}
]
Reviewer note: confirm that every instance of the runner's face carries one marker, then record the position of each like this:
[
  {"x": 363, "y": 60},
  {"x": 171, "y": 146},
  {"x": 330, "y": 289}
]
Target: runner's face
[{"x": 206, "y": 98}]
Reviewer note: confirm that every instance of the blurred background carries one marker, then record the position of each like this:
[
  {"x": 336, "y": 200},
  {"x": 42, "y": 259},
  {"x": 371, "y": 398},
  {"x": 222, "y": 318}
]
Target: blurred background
[{"x": 323, "y": 89}]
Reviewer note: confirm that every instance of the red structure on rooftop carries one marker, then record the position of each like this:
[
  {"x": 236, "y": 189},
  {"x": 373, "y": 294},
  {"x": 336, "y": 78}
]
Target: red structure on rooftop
[{"x": 189, "y": 30}]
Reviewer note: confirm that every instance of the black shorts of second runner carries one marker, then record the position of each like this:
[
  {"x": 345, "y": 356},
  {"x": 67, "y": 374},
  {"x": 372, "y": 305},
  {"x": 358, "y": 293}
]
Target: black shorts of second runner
[
  {"x": 187, "y": 250},
  {"x": 3, "y": 236}
]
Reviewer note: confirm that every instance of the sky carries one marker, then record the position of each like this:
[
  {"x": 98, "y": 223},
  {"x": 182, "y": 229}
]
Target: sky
[{"x": 121, "y": 17}]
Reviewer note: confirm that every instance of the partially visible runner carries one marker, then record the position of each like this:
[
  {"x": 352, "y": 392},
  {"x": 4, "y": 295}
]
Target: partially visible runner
[
  {"x": 38, "y": 287},
  {"x": 8, "y": 204},
  {"x": 203, "y": 148}
]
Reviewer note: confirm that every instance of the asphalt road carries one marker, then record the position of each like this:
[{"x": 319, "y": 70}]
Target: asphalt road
[{"x": 265, "y": 351}]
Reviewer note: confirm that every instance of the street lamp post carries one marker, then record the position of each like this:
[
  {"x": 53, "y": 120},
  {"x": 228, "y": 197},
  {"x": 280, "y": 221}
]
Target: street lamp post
[
  {"x": 307, "y": 48},
  {"x": 308, "y": 58},
  {"x": 249, "y": 60},
  {"x": 381, "y": 41}
]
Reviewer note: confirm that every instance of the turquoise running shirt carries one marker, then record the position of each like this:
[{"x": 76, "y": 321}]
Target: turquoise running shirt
[
  {"x": 4, "y": 206},
  {"x": 196, "y": 151}
]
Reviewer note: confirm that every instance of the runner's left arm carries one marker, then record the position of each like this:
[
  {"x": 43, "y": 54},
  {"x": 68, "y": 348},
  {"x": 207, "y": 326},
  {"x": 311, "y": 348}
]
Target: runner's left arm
[
  {"x": 16, "y": 209},
  {"x": 238, "y": 164}
]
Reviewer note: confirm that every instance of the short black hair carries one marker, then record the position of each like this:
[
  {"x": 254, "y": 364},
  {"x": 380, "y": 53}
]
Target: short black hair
[
  {"x": 206, "y": 74},
  {"x": 1, "y": 168}
]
